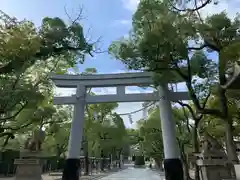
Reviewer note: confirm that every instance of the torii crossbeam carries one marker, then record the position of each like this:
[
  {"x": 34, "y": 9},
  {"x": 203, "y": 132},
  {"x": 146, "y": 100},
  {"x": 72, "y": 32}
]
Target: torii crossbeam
[{"x": 120, "y": 81}]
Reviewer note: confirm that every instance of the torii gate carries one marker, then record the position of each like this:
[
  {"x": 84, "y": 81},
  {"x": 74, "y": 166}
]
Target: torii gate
[{"x": 172, "y": 163}]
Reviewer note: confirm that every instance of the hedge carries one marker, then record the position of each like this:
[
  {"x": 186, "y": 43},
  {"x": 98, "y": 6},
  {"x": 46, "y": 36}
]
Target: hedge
[
  {"x": 8, "y": 168},
  {"x": 139, "y": 160}
]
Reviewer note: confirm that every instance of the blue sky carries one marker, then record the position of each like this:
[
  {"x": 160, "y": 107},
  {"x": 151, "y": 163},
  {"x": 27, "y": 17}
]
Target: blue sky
[{"x": 108, "y": 19}]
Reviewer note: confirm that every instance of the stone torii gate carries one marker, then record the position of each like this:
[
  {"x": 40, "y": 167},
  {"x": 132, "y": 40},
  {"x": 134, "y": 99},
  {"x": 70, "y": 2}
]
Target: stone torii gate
[{"x": 172, "y": 163}]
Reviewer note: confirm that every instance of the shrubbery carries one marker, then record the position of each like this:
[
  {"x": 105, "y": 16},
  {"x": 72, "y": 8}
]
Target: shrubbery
[
  {"x": 139, "y": 160},
  {"x": 7, "y": 166}
]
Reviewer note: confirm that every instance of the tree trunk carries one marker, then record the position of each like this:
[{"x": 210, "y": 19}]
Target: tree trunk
[
  {"x": 196, "y": 150},
  {"x": 86, "y": 163},
  {"x": 185, "y": 163},
  {"x": 186, "y": 169},
  {"x": 119, "y": 157},
  {"x": 102, "y": 161},
  {"x": 230, "y": 145},
  {"x": 59, "y": 151},
  {"x": 158, "y": 163},
  {"x": 231, "y": 149}
]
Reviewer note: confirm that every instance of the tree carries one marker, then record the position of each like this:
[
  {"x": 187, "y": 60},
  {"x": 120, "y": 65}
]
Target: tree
[
  {"x": 174, "y": 45},
  {"x": 184, "y": 135},
  {"x": 215, "y": 127},
  {"x": 28, "y": 55},
  {"x": 189, "y": 5},
  {"x": 107, "y": 131},
  {"x": 151, "y": 137},
  {"x": 58, "y": 131},
  {"x": 53, "y": 39}
]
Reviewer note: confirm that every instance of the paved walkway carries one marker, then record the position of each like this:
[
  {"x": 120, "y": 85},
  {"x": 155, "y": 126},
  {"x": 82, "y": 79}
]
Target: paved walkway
[
  {"x": 130, "y": 173},
  {"x": 135, "y": 174}
]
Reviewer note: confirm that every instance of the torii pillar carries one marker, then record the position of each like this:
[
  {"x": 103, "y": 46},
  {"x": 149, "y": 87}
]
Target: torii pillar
[
  {"x": 72, "y": 164},
  {"x": 172, "y": 162}
]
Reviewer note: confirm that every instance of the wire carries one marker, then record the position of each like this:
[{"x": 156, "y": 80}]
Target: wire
[{"x": 133, "y": 112}]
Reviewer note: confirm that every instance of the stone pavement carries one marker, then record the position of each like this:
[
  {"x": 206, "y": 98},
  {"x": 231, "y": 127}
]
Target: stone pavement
[
  {"x": 94, "y": 176},
  {"x": 58, "y": 176},
  {"x": 132, "y": 173},
  {"x": 128, "y": 173}
]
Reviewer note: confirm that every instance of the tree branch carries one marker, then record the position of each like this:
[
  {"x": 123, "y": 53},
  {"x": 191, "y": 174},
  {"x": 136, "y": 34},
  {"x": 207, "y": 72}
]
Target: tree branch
[
  {"x": 22, "y": 107},
  {"x": 18, "y": 128},
  {"x": 190, "y": 9},
  {"x": 9, "y": 135},
  {"x": 206, "y": 99},
  {"x": 190, "y": 110},
  {"x": 206, "y": 44},
  {"x": 186, "y": 116},
  {"x": 55, "y": 51},
  {"x": 198, "y": 48}
]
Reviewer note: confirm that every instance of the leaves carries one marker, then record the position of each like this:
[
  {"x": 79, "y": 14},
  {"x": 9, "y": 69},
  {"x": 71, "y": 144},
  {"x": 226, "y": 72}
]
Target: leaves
[
  {"x": 28, "y": 54},
  {"x": 156, "y": 44},
  {"x": 175, "y": 45},
  {"x": 107, "y": 132},
  {"x": 54, "y": 39},
  {"x": 150, "y": 133}
]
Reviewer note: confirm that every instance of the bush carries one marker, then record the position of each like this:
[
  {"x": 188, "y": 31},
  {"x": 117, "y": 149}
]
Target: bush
[
  {"x": 139, "y": 160},
  {"x": 7, "y": 166}
]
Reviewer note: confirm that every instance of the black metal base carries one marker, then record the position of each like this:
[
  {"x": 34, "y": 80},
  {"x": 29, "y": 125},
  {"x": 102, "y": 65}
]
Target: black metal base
[
  {"x": 71, "y": 169},
  {"x": 173, "y": 169}
]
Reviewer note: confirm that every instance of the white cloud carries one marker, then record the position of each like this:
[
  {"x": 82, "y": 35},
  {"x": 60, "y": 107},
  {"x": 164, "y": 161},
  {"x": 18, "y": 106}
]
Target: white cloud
[
  {"x": 130, "y": 4},
  {"x": 126, "y": 36},
  {"x": 122, "y": 22},
  {"x": 232, "y": 7}
]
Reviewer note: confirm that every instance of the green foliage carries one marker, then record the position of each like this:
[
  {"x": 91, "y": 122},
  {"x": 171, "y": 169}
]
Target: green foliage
[
  {"x": 215, "y": 126},
  {"x": 171, "y": 43},
  {"x": 133, "y": 136},
  {"x": 28, "y": 55},
  {"x": 159, "y": 42},
  {"x": 139, "y": 160},
  {"x": 151, "y": 135},
  {"x": 107, "y": 132},
  {"x": 58, "y": 131},
  {"x": 53, "y": 39},
  {"x": 174, "y": 44},
  {"x": 184, "y": 131}
]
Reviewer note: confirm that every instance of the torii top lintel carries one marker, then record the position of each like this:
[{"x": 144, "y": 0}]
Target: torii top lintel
[{"x": 103, "y": 80}]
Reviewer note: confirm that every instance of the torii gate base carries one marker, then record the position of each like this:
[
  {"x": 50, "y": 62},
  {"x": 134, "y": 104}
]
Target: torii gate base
[{"x": 172, "y": 163}]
